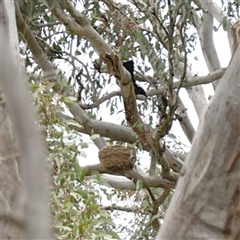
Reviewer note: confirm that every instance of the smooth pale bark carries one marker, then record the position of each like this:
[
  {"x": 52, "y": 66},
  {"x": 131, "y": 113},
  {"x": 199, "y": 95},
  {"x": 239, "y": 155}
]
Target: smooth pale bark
[
  {"x": 184, "y": 121},
  {"x": 35, "y": 220},
  {"x": 11, "y": 200},
  {"x": 134, "y": 175},
  {"x": 206, "y": 204}
]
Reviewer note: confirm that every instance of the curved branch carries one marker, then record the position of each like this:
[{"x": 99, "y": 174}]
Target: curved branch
[
  {"x": 164, "y": 194},
  {"x": 206, "y": 40},
  {"x": 153, "y": 181},
  {"x": 191, "y": 81},
  {"x": 98, "y": 102},
  {"x": 79, "y": 26},
  {"x": 119, "y": 182},
  {"x": 219, "y": 15},
  {"x": 211, "y": 77},
  {"x": 81, "y": 116}
]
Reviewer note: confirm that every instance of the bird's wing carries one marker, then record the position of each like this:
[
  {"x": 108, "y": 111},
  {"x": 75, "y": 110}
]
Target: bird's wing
[{"x": 130, "y": 67}]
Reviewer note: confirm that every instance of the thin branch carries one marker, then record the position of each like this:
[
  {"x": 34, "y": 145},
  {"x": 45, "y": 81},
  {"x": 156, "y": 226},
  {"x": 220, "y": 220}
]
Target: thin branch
[
  {"x": 119, "y": 182},
  {"x": 182, "y": 37},
  {"x": 147, "y": 181},
  {"x": 37, "y": 26},
  {"x": 211, "y": 77},
  {"x": 164, "y": 194},
  {"x": 190, "y": 82},
  {"x": 36, "y": 50},
  {"x": 98, "y": 102},
  {"x": 119, "y": 208}
]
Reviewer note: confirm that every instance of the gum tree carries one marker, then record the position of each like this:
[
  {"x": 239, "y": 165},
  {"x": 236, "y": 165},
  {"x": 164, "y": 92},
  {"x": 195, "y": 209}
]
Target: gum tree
[{"x": 73, "y": 53}]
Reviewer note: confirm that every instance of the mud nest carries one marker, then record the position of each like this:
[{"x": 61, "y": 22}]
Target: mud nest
[{"x": 117, "y": 157}]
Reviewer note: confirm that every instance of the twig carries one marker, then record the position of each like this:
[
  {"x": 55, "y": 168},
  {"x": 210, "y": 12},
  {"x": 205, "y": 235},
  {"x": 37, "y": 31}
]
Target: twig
[
  {"x": 36, "y": 50},
  {"x": 36, "y": 26}
]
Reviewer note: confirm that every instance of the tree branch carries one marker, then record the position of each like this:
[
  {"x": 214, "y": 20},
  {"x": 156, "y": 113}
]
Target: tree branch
[
  {"x": 36, "y": 50},
  {"x": 185, "y": 121},
  {"x": 98, "y": 102},
  {"x": 81, "y": 116},
  {"x": 191, "y": 81},
  {"x": 119, "y": 182},
  {"x": 147, "y": 181},
  {"x": 119, "y": 208},
  {"x": 206, "y": 41}
]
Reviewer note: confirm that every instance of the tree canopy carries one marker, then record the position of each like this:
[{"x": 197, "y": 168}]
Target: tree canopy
[{"x": 72, "y": 53}]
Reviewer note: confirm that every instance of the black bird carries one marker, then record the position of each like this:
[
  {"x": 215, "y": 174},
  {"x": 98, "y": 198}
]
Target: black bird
[{"x": 139, "y": 92}]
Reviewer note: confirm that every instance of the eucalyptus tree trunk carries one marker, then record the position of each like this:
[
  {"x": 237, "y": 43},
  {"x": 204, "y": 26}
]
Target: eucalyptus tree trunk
[
  {"x": 206, "y": 204},
  {"x": 11, "y": 204},
  {"x": 23, "y": 200}
]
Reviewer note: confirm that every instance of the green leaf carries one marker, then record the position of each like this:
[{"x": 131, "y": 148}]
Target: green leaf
[
  {"x": 49, "y": 86},
  {"x": 34, "y": 87},
  {"x": 84, "y": 145},
  {"x": 170, "y": 135},
  {"x": 69, "y": 101},
  {"x": 156, "y": 216},
  {"x": 114, "y": 235},
  {"x": 83, "y": 174},
  {"x": 68, "y": 205},
  {"x": 71, "y": 122},
  {"x": 83, "y": 154},
  {"x": 61, "y": 176},
  {"x": 102, "y": 221},
  {"x": 94, "y": 207},
  {"x": 95, "y": 136},
  {"x": 83, "y": 193},
  {"x": 140, "y": 146},
  {"x": 139, "y": 185}
]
